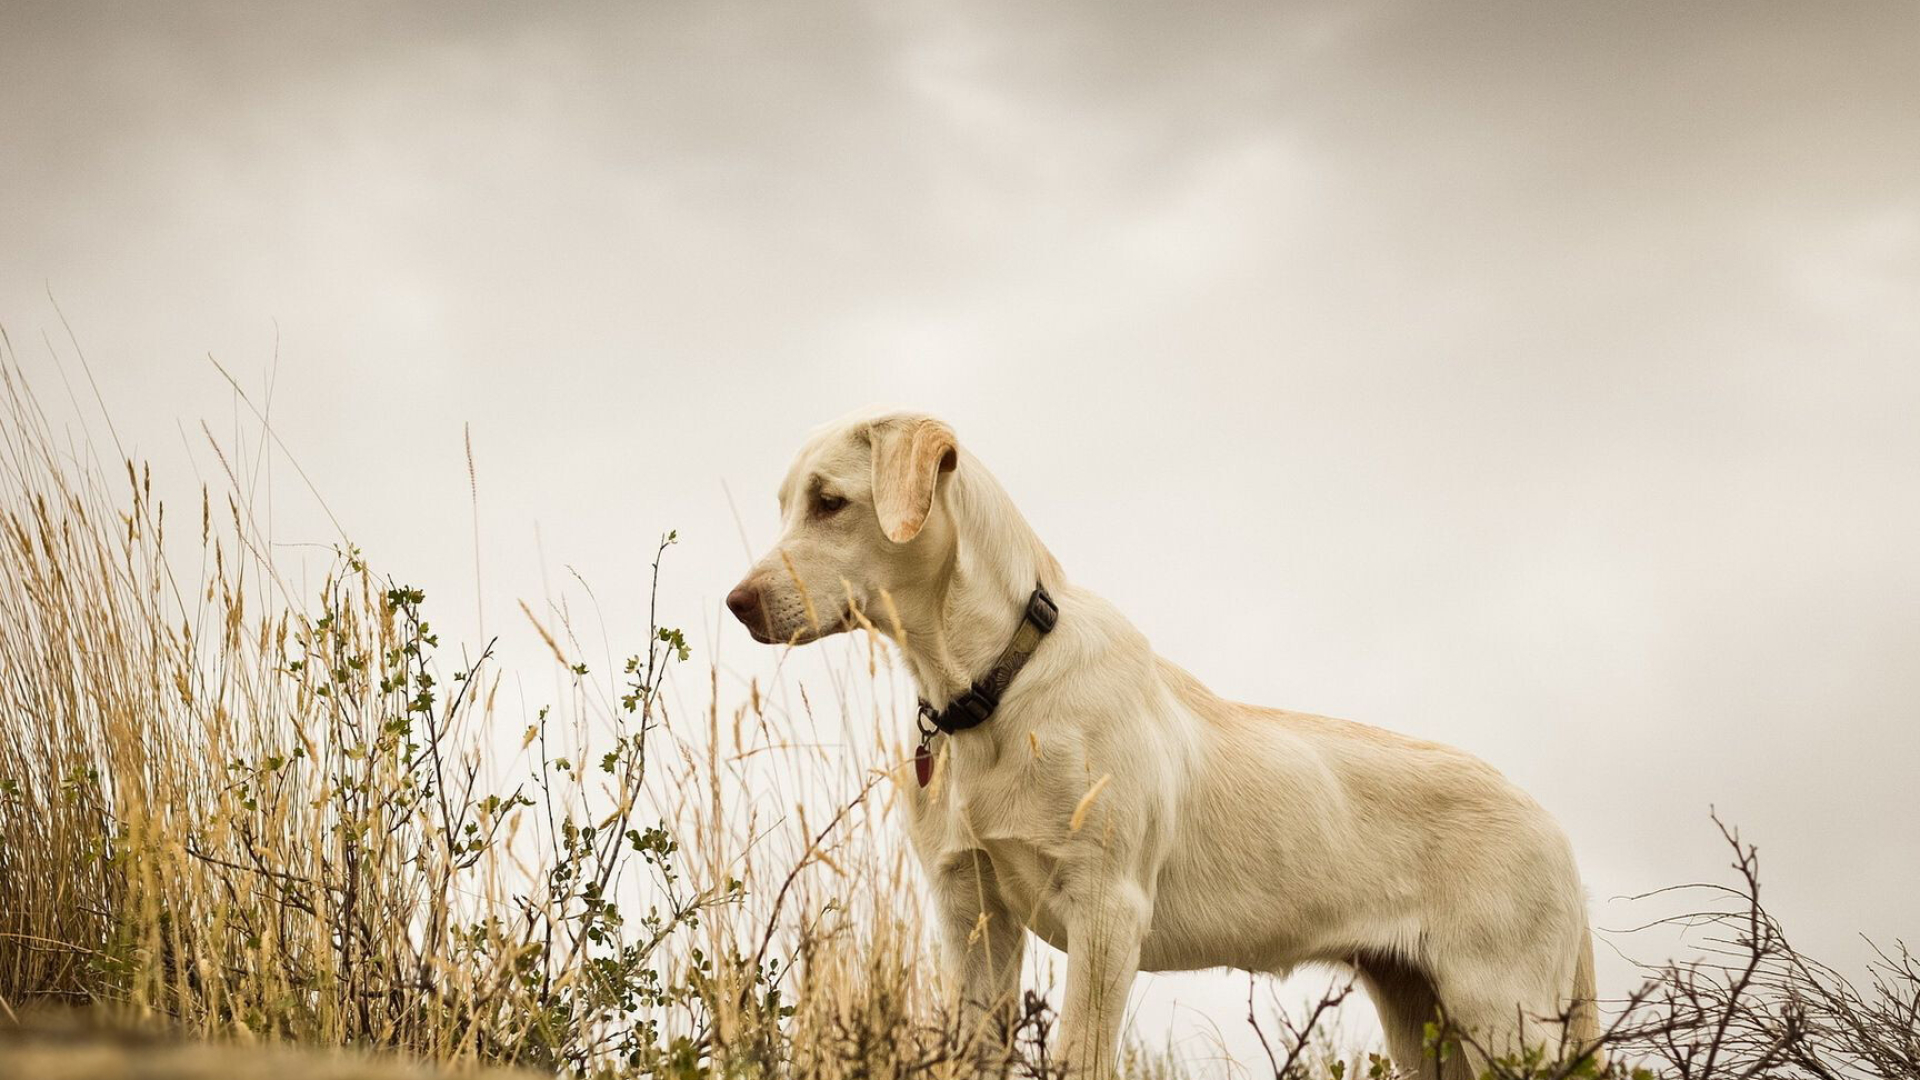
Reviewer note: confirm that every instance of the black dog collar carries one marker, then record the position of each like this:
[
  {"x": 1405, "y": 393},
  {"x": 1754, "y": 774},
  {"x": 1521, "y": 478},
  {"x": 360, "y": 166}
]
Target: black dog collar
[{"x": 975, "y": 705}]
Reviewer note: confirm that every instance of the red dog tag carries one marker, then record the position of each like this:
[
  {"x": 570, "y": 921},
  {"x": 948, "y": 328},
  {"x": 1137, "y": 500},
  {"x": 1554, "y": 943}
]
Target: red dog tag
[{"x": 923, "y": 764}]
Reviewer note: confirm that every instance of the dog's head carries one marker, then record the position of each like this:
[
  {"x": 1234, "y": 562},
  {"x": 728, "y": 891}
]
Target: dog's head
[{"x": 861, "y": 516}]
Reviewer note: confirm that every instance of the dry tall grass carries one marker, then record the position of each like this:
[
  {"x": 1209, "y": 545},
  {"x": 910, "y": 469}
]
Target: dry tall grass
[{"x": 259, "y": 813}]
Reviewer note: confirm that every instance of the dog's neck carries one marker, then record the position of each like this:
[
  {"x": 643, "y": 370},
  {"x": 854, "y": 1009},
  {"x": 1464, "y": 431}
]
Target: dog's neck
[{"x": 957, "y": 630}]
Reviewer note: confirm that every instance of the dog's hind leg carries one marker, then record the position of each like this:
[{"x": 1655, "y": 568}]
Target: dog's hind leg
[
  {"x": 1507, "y": 1008},
  {"x": 1403, "y": 996}
]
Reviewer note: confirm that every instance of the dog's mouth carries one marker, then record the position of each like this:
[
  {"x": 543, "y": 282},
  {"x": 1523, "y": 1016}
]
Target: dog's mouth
[{"x": 806, "y": 633}]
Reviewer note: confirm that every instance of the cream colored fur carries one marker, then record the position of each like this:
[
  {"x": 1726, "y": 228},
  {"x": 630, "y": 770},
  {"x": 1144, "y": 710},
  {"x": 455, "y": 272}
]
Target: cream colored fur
[{"x": 1125, "y": 814}]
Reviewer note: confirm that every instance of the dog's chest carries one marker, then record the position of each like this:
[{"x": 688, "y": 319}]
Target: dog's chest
[
  {"x": 971, "y": 800},
  {"x": 1027, "y": 880},
  {"x": 990, "y": 804}
]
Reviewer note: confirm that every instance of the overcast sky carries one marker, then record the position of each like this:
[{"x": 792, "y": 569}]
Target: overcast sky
[{"x": 1539, "y": 378}]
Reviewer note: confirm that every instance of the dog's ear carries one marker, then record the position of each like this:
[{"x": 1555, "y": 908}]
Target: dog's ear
[{"x": 908, "y": 458}]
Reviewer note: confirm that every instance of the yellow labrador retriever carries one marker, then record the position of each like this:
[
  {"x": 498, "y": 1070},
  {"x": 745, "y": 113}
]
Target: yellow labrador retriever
[{"x": 1074, "y": 784}]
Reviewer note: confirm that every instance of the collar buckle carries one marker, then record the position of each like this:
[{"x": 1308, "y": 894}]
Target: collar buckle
[{"x": 971, "y": 708}]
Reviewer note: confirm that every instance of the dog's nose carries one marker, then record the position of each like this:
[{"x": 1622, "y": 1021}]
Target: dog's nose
[{"x": 744, "y": 602}]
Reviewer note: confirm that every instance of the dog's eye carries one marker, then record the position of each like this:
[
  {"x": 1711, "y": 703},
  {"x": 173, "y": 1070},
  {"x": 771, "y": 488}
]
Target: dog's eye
[{"x": 828, "y": 504}]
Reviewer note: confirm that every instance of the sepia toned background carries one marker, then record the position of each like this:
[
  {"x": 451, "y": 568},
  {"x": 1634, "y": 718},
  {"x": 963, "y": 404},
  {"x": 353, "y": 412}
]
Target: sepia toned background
[{"x": 1541, "y": 379}]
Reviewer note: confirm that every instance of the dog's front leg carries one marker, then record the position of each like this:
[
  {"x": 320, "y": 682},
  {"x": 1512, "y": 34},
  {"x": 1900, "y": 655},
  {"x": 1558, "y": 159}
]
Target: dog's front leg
[
  {"x": 1104, "y": 930},
  {"x": 981, "y": 944}
]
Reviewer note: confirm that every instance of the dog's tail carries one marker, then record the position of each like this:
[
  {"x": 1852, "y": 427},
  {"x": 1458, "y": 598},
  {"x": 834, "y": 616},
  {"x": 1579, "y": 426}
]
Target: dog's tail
[{"x": 1583, "y": 1010}]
